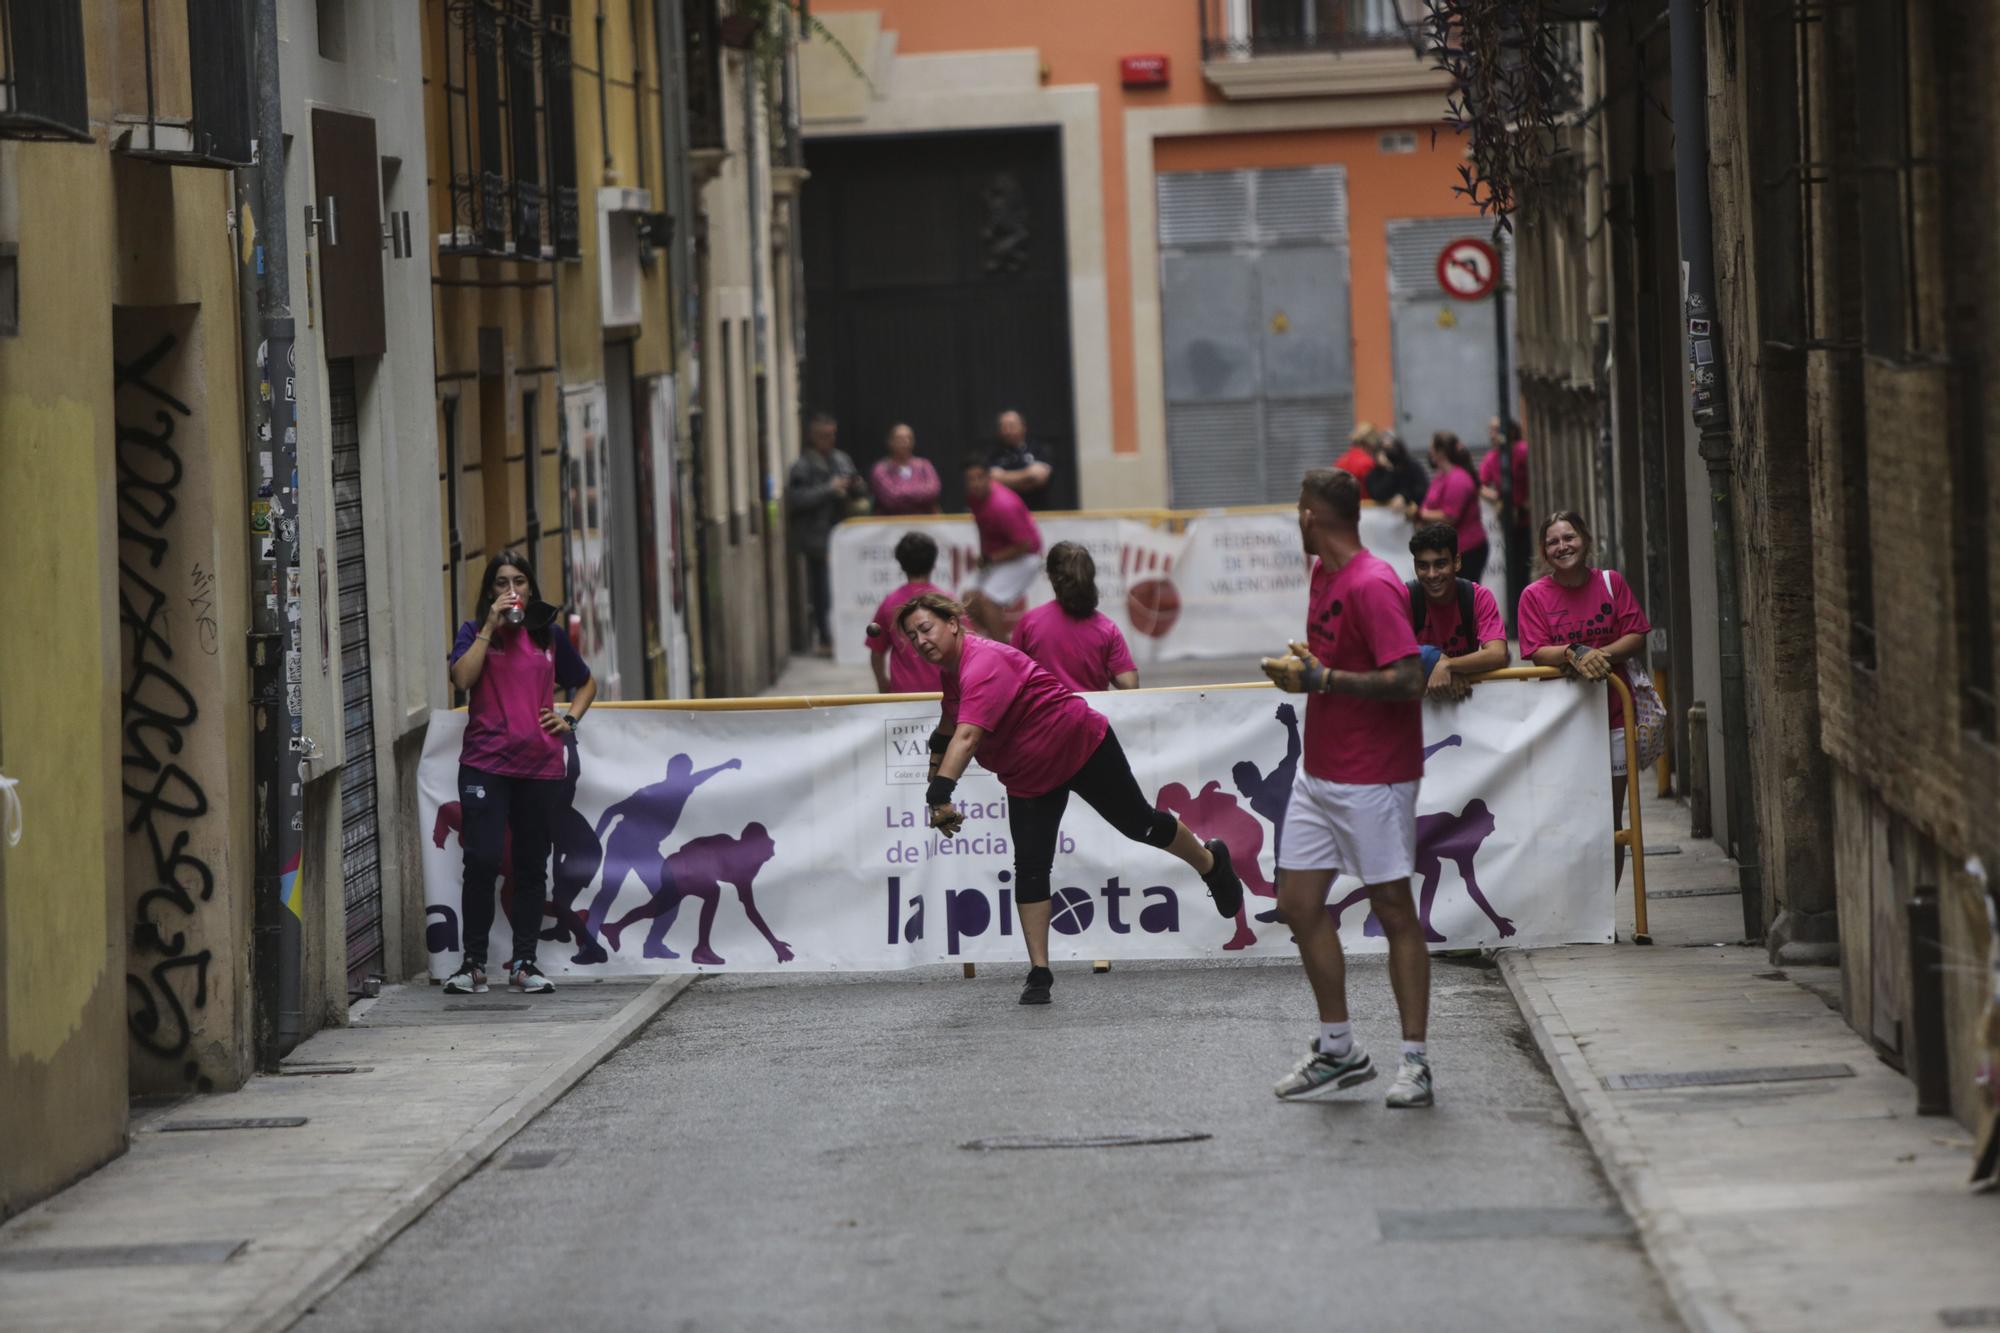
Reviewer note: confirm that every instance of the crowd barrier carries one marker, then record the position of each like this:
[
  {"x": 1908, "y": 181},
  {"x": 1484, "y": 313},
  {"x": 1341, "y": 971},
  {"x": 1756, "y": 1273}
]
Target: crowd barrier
[
  {"x": 809, "y": 812},
  {"x": 1181, "y": 584}
]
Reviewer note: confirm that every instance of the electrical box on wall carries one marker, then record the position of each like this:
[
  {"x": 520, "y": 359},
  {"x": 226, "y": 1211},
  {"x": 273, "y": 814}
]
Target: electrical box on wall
[{"x": 620, "y": 216}]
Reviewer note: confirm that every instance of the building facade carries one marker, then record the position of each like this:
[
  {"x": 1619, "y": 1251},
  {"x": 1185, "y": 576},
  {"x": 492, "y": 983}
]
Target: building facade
[
  {"x": 1850, "y": 177},
  {"x": 1195, "y": 244}
]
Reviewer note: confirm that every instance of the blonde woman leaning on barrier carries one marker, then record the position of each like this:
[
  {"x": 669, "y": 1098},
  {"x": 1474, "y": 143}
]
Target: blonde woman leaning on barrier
[
  {"x": 1587, "y": 622},
  {"x": 1042, "y": 742}
]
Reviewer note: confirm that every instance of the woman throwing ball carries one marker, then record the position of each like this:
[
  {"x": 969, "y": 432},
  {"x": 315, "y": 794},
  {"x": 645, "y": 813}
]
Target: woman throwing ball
[{"x": 1043, "y": 743}]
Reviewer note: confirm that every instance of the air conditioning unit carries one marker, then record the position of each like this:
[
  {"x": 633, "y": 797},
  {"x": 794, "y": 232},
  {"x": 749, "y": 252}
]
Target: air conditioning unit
[{"x": 621, "y": 214}]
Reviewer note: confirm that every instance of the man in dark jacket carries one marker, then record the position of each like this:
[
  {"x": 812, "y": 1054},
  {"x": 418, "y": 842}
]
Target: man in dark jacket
[
  {"x": 1015, "y": 464},
  {"x": 817, "y": 492}
]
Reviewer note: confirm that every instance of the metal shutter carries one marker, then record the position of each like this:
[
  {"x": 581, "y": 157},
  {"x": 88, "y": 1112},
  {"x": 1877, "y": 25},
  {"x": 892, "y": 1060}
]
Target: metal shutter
[{"x": 360, "y": 830}]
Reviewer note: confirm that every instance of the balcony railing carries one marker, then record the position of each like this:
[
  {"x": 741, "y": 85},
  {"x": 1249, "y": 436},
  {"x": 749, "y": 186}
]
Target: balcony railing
[{"x": 1239, "y": 29}]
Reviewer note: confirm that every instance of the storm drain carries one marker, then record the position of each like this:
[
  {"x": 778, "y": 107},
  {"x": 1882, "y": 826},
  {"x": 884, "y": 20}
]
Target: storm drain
[
  {"x": 1711, "y": 1078},
  {"x": 1983, "y": 1316},
  {"x": 1501, "y": 1223},
  {"x": 500, "y": 1007},
  {"x": 1011, "y": 1142},
  {"x": 58, "y": 1257},
  {"x": 244, "y": 1122},
  {"x": 1664, "y": 849},
  {"x": 295, "y": 1071},
  {"x": 1652, "y": 894}
]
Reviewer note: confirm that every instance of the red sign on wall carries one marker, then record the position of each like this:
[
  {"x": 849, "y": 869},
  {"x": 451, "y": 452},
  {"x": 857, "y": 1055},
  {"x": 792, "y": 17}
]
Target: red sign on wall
[{"x": 1143, "y": 71}]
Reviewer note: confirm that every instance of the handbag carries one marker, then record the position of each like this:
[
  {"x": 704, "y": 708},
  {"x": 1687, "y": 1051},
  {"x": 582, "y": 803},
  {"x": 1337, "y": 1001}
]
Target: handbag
[{"x": 1649, "y": 710}]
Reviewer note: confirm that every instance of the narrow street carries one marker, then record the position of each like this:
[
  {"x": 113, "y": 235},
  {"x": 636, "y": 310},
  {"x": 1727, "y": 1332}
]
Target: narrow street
[{"x": 775, "y": 1153}]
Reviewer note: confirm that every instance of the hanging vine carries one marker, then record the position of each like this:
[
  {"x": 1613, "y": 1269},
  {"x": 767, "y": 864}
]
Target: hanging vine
[{"x": 1514, "y": 76}]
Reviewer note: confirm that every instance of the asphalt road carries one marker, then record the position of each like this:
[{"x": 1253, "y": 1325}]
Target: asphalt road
[{"x": 787, "y": 1153}]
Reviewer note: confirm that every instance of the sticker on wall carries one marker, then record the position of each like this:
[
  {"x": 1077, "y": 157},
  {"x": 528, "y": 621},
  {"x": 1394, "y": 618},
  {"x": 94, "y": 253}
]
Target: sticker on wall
[
  {"x": 1447, "y": 320},
  {"x": 260, "y": 517}
]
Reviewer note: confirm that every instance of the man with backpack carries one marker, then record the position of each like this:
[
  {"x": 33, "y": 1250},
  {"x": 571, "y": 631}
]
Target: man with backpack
[{"x": 1457, "y": 622}]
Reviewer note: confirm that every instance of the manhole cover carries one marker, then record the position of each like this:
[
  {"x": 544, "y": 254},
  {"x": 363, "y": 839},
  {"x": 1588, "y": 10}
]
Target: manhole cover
[
  {"x": 1710, "y": 1078},
  {"x": 247, "y": 1122},
  {"x": 1009, "y": 1142},
  {"x": 57, "y": 1257},
  {"x": 1501, "y": 1223}
]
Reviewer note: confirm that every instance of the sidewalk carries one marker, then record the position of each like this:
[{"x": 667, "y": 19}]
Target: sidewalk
[
  {"x": 243, "y": 1228},
  {"x": 1808, "y": 1203}
]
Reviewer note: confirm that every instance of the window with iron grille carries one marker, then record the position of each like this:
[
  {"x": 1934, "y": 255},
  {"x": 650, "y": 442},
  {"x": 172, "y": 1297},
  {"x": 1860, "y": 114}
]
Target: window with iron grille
[
  {"x": 504, "y": 124},
  {"x": 42, "y": 92},
  {"x": 700, "y": 31},
  {"x": 561, "y": 104}
]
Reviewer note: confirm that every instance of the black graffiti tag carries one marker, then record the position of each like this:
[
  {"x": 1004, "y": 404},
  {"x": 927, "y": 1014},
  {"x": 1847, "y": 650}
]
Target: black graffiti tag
[{"x": 158, "y": 711}]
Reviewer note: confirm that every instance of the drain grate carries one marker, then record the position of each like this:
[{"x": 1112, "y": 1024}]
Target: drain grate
[
  {"x": 1981, "y": 1316},
  {"x": 491, "y": 1007},
  {"x": 296, "y": 1071},
  {"x": 533, "y": 1159},
  {"x": 56, "y": 1258},
  {"x": 1501, "y": 1223},
  {"x": 244, "y": 1122},
  {"x": 1664, "y": 849},
  {"x": 1652, "y": 894},
  {"x": 1712, "y": 1078},
  {"x": 1009, "y": 1143}
]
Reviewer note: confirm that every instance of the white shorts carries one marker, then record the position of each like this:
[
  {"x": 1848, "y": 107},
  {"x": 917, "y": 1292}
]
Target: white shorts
[
  {"x": 1368, "y": 830},
  {"x": 1005, "y": 582}
]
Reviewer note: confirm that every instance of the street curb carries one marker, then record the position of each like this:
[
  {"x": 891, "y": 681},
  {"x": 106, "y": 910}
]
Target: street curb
[
  {"x": 279, "y": 1310},
  {"x": 1698, "y": 1295}
]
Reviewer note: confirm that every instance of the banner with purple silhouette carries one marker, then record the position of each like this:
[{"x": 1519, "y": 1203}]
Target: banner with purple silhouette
[
  {"x": 1201, "y": 586},
  {"x": 796, "y": 839}
]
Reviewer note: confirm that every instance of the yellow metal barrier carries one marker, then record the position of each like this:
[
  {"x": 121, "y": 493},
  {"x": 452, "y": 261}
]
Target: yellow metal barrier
[{"x": 1632, "y": 837}]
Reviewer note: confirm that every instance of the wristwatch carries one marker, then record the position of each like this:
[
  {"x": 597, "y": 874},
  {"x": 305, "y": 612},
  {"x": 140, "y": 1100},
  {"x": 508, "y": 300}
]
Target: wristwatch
[
  {"x": 570, "y": 718},
  {"x": 1576, "y": 652}
]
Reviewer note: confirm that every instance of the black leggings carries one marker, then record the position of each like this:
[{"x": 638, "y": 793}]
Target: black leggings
[
  {"x": 1106, "y": 784},
  {"x": 491, "y": 807},
  {"x": 1472, "y": 564}
]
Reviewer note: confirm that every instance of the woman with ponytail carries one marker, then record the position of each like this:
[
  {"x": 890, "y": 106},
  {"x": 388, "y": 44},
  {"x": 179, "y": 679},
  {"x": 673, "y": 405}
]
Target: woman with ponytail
[
  {"x": 1454, "y": 498},
  {"x": 1070, "y": 638}
]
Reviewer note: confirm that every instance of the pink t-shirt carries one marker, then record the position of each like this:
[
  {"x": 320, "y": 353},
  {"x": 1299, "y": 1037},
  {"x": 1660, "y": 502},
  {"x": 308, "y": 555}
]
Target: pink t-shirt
[
  {"x": 503, "y": 714},
  {"x": 1489, "y": 472},
  {"x": 909, "y": 673},
  {"x": 1359, "y": 620},
  {"x": 904, "y": 488},
  {"x": 1083, "y": 654},
  {"x": 1600, "y": 611},
  {"x": 1455, "y": 494},
  {"x": 1442, "y": 631},
  {"x": 1003, "y": 520},
  {"x": 1038, "y": 734}
]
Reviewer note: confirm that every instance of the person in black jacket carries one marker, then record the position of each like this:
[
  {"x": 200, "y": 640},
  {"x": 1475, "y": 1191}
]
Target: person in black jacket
[
  {"x": 817, "y": 492},
  {"x": 1397, "y": 480}
]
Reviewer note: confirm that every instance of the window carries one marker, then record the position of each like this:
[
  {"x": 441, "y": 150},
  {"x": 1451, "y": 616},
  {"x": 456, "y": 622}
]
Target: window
[
  {"x": 331, "y": 16},
  {"x": 42, "y": 93},
  {"x": 508, "y": 128},
  {"x": 703, "y": 73},
  {"x": 560, "y": 100}
]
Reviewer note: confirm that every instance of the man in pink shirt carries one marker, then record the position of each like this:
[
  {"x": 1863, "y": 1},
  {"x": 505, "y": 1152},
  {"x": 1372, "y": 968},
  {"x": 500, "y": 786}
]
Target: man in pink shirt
[
  {"x": 1043, "y": 742},
  {"x": 1457, "y": 621},
  {"x": 1354, "y": 801},
  {"x": 1009, "y": 549},
  {"x": 899, "y": 668}
]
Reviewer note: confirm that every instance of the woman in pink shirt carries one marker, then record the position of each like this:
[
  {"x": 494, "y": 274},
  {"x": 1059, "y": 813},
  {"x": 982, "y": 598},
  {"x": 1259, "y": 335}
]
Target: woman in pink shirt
[
  {"x": 1586, "y": 621},
  {"x": 1454, "y": 498},
  {"x": 509, "y": 659},
  {"x": 1070, "y": 638},
  {"x": 902, "y": 482},
  {"x": 899, "y": 668},
  {"x": 1043, "y": 742}
]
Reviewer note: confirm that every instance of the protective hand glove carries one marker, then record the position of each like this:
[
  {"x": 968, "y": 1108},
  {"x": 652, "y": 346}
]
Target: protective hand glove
[{"x": 1298, "y": 672}]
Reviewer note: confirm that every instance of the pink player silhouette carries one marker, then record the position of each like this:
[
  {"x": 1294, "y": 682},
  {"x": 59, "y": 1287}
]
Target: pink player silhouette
[
  {"x": 1215, "y": 814},
  {"x": 1440, "y": 838},
  {"x": 699, "y": 868}
]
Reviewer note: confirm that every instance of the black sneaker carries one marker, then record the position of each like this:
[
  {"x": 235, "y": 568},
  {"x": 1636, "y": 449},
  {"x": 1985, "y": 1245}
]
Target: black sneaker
[
  {"x": 1223, "y": 886},
  {"x": 524, "y": 976},
  {"x": 470, "y": 979},
  {"x": 1037, "y": 989}
]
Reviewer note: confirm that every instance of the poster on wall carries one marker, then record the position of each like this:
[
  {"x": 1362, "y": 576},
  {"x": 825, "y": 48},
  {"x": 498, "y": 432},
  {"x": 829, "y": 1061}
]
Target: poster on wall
[
  {"x": 759, "y": 840},
  {"x": 586, "y": 533}
]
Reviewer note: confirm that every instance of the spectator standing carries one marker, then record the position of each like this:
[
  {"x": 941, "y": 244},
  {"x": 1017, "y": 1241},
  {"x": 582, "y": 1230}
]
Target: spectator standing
[
  {"x": 1360, "y": 456},
  {"x": 899, "y": 668},
  {"x": 1398, "y": 480},
  {"x": 1009, "y": 544},
  {"x": 1503, "y": 479},
  {"x": 818, "y": 491},
  {"x": 902, "y": 482},
  {"x": 1070, "y": 638},
  {"x": 1454, "y": 498},
  {"x": 1588, "y": 622},
  {"x": 1015, "y": 464}
]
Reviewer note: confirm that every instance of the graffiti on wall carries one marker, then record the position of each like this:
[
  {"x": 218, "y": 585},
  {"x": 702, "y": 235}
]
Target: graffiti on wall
[{"x": 167, "y": 978}]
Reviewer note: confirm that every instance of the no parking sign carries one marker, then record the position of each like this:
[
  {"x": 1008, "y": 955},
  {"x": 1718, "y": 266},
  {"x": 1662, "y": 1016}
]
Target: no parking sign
[{"x": 1468, "y": 268}]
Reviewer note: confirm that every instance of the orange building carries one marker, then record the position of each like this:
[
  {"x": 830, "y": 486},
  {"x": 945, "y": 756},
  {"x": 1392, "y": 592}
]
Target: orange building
[{"x": 1193, "y": 287}]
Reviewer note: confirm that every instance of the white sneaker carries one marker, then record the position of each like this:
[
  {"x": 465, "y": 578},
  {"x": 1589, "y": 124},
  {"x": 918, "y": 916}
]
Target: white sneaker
[
  {"x": 525, "y": 976},
  {"x": 470, "y": 979},
  {"x": 1413, "y": 1084}
]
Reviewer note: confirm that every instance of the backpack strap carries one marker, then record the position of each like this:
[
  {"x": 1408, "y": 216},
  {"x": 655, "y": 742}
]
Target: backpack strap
[
  {"x": 1468, "y": 623},
  {"x": 1417, "y": 600}
]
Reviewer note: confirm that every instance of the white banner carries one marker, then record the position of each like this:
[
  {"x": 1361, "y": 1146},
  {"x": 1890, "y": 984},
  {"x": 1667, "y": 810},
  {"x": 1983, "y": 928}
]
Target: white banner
[
  {"x": 1228, "y": 584},
  {"x": 752, "y": 840}
]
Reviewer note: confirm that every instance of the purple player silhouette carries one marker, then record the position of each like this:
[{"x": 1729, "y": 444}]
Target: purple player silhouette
[
  {"x": 1268, "y": 795},
  {"x": 699, "y": 868},
  {"x": 1440, "y": 838},
  {"x": 1373, "y": 927},
  {"x": 577, "y": 857},
  {"x": 646, "y": 819}
]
